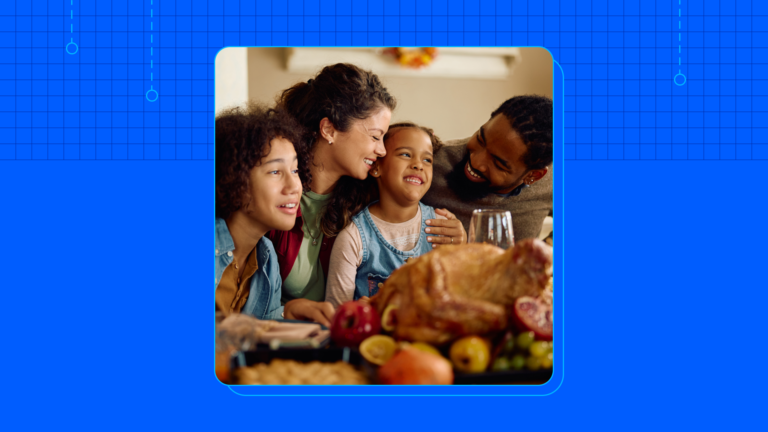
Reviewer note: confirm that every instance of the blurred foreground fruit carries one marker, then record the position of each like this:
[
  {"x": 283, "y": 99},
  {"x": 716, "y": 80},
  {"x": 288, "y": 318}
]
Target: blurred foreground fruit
[
  {"x": 470, "y": 354},
  {"x": 353, "y": 322},
  {"x": 501, "y": 364},
  {"x": 533, "y": 363},
  {"x": 412, "y": 366},
  {"x": 524, "y": 340},
  {"x": 421, "y": 346},
  {"x": 389, "y": 318},
  {"x": 546, "y": 361},
  {"x": 532, "y": 314},
  {"x": 378, "y": 349},
  {"x": 539, "y": 348},
  {"x": 517, "y": 362},
  {"x": 222, "y": 366},
  {"x": 509, "y": 343}
]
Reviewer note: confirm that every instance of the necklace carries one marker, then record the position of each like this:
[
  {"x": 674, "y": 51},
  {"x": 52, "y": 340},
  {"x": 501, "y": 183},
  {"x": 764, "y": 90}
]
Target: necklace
[{"x": 309, "y": 231}]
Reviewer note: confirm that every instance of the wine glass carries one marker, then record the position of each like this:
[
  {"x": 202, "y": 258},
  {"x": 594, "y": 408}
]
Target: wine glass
[{"x": 492, "y": 227}]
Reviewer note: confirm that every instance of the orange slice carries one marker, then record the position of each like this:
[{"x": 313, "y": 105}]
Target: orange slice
[
  {"x": 377, "y": 349},
  {"x": 389, "y": 318}
]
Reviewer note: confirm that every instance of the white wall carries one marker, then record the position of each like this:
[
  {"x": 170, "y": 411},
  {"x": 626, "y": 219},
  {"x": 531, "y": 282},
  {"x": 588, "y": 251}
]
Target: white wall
[
  {"x": 231, "y": 77},
  {"x": 453, "y": 107}
]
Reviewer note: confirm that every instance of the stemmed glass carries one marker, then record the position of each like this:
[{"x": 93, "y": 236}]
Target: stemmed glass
[{"x": 492, "y": 227}]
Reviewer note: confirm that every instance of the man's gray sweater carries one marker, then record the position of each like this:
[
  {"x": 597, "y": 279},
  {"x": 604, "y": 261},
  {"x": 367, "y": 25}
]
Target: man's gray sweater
[{"x": 528, "y": 209}]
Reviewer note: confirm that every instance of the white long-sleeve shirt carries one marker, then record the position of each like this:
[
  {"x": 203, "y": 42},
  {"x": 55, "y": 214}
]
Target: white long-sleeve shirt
[{"x": 347, "y": 254}]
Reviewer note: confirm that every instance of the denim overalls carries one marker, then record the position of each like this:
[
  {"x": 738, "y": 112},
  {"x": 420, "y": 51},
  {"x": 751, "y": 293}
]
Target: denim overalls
[{"x": 381, "y": 258}]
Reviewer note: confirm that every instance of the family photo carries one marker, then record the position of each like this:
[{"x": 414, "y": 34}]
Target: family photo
[{"x": 383, "y": 216}]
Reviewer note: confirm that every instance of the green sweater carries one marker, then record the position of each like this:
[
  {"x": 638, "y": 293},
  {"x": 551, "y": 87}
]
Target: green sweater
[{"x": 306, "y": 279}]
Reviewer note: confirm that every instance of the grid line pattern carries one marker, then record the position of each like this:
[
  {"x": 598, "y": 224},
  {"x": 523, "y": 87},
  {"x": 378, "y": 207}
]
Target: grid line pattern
[{"x": 619, "y": 60}]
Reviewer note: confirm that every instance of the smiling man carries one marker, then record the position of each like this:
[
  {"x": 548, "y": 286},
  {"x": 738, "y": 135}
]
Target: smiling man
[{"x": 505, "y": 165}]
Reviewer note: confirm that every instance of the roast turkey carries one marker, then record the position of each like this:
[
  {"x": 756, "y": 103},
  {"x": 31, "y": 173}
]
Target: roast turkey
[{"x": 461, "y": 290}]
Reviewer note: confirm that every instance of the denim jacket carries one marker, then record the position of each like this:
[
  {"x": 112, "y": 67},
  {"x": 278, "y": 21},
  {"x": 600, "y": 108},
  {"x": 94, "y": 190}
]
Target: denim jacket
[{"x": 264, "y": 297}]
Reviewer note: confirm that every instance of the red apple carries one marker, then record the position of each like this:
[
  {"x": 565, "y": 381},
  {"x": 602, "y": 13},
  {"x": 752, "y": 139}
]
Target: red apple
[{"x": 353, "y": 322}]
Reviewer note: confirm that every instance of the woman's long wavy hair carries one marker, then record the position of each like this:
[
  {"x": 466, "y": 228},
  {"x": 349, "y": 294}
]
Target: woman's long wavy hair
[{"x": 342, "y": 93}]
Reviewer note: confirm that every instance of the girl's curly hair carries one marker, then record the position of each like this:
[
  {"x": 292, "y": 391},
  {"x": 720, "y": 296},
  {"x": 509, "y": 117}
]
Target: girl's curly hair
[
  {"x": 243, "y": 138},
  {"x": 341, "y": 92}
]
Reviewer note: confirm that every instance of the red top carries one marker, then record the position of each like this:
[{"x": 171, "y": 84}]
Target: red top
[{"x": 288, "y": 243}]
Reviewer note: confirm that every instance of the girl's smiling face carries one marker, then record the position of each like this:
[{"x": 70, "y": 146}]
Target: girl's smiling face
[{"x": 405, "y": 173}]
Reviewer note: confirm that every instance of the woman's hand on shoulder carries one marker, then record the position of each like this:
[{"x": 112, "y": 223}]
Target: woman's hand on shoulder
[
  {"x": 446, "y": 231},
  {"x": 308, "y": 310}
]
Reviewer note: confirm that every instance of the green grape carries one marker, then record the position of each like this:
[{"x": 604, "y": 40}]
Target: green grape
[
  {"x": 524, "y": 340},
  {"x": 549, "y": 346},
  {"x": 518, "y": 362},
  {"x": 509, "y": 344},
  {"x": 539, "y": 348},
  {"x": 500, "y": 364},
  {"x": 533, "y": 363},
  {"x": 546, "y": 361}
]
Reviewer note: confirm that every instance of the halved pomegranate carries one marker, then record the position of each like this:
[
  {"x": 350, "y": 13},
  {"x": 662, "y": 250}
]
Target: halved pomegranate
[{"x": 532, "y": 314}]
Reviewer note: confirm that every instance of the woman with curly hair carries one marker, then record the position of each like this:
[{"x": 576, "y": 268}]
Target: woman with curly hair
[
  {"x": 346, "y": 112},
  {"x": 257, "y": 190}
]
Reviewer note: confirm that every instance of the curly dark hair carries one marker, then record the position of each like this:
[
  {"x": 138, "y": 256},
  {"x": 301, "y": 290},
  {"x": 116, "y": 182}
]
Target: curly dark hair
[
  {"x": 531, "y": 117},
  {"x": 341, "y": 92},
  {"x": 243, "y": 137}
]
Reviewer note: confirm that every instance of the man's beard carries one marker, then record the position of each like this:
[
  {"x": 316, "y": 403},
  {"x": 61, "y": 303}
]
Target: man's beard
[{"x": 465, "y": 189}]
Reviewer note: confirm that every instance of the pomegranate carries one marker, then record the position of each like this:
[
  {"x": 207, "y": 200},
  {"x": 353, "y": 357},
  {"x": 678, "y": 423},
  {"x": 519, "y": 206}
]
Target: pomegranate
[
  {"x": 532, "y": 314},
  {"x": 353, "y": 322}
]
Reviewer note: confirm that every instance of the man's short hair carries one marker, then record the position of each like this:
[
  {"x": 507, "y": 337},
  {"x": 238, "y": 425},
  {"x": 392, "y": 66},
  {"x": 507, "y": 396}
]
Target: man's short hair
[{"x": 531, "y": 117}]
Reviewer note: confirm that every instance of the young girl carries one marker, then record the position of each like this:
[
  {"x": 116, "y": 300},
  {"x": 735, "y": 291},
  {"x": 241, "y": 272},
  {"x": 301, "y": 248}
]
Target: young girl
[
  {"x": 391, "y": 230},
  {"x": 257, "y": 190}
]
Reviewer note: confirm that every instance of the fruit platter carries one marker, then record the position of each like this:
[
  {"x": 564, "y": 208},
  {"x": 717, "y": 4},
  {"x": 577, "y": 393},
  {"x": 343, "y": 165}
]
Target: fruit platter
[{"x": 465, "y": 314}]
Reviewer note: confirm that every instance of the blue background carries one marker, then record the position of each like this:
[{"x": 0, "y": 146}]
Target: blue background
[{"x": 106, "y": 312}]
